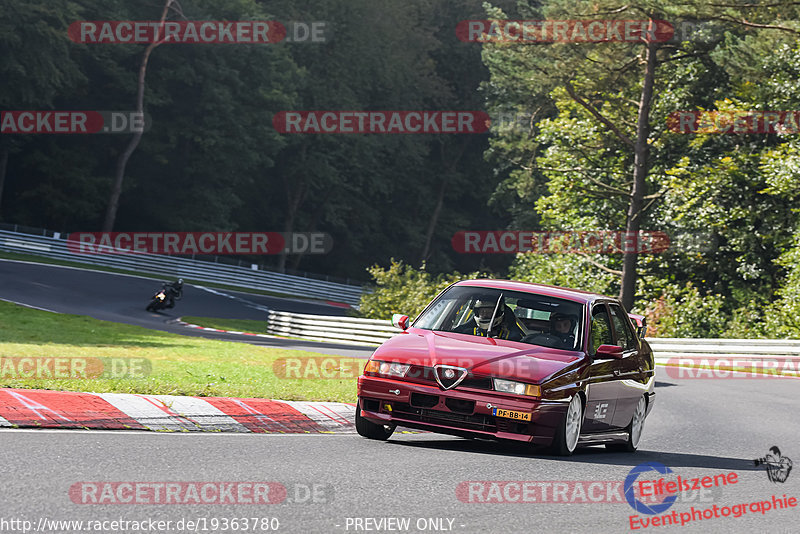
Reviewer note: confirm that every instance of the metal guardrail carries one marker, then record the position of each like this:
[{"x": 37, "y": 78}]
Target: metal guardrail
[
  {"x": 728, "y": 349},
  {"x": 178, "y": 267},
  {"x": 373, "y": 332},
  {"x": 327, "y": 328}
]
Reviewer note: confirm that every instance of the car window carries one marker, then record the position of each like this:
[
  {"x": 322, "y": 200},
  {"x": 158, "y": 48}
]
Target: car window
[
  {"x": 601, "y": 329},
  {"x": 525, "y": 317},
  {"x": 622, "y": 327}
]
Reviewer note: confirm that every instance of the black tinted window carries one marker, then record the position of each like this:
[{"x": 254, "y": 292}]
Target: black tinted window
[
  {"x": 622, "y": 326},
  {"x": 601, "y": 329}
]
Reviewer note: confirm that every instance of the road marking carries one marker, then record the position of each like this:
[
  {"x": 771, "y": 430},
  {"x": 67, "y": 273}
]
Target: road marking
[
  {"x": 28, "y": 305},
  {"x": 254, "y": 305}
]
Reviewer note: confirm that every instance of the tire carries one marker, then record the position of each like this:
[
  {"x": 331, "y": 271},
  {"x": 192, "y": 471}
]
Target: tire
[
  {"x": 566, "y": 439},
  {"x": 371, "y": 430},
  {"x": 150, "y": 307},
  {"x": 634, "y": 429}
]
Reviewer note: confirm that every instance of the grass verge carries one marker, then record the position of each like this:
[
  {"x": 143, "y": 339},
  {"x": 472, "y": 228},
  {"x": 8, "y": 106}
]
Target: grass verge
[{"x": 180, "y": 365}]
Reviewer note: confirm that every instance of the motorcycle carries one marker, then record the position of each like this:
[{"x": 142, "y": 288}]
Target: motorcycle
[{"x": 166, "y": 297}]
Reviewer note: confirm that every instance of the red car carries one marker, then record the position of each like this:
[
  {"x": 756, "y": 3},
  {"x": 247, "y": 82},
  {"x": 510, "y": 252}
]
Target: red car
[{"x": 513, "y": 360}]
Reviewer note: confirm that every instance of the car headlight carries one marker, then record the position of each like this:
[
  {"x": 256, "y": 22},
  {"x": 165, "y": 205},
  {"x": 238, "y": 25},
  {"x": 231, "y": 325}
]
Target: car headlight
[
  {"x": 517, "y": 388},
  {"x": 386, "y": 368}
]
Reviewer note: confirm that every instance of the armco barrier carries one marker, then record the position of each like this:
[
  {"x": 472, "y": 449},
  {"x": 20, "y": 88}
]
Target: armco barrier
[
  {"x": 374, "y": 332},
  {"x": 728, "y": 349},
  {"x": 327, "y": 328},
  {"x": 175, "y": 267}
]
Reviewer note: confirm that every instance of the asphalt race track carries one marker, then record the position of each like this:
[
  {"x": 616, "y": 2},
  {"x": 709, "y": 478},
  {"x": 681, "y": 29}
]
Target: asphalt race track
[
  {"x": 697, "y": 428},
  {"x": 346, "y": 483},
  {"x": 122, "y": 299}
]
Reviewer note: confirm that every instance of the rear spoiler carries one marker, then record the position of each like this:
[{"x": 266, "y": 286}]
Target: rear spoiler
[{"x": 639, "y": 324}]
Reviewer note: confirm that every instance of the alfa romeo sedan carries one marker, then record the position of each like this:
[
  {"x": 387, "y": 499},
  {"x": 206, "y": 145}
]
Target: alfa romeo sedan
[{"x": 510, "y": 360}]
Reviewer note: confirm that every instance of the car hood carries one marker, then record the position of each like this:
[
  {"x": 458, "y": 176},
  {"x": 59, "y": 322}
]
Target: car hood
[{"x": 492, "y": 357}]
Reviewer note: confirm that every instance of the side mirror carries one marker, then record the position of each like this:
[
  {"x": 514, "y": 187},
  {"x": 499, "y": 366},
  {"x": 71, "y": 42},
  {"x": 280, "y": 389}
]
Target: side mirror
[
  {"x": 639, "y": 324},
  {"x": 608, "y": 352},
  {"x": 400, "y": 321}
]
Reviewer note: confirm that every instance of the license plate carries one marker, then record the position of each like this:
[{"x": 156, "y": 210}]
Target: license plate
[{"x": 511, "y": 414}]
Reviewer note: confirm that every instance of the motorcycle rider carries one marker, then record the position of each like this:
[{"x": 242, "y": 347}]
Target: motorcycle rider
[{"x": 173, "y": 291}]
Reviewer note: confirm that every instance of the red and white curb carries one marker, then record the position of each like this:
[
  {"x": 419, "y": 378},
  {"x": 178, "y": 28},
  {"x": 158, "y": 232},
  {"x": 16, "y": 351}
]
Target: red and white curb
[{"x": 120, "y": 411}]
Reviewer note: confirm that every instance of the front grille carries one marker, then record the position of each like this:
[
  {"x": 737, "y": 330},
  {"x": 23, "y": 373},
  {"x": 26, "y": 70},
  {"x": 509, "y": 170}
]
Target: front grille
[
  {"x": 370, "y": 405},
  {"x": 465, "y": 421},
  {"x": 424, "y": 375},
  {"x": 424, "y": 401},
  {"x": 476, "y": 382},
  {"x": 460, "y": 405},
  {"x": 514, "y": 427},
  {"x": 420, "y": 374}
]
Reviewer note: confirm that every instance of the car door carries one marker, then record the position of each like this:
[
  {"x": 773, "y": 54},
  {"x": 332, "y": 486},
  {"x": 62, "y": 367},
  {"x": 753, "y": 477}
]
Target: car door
[
  {"x": 602, "y": 389},
  {"x": 628, "y": 370}
]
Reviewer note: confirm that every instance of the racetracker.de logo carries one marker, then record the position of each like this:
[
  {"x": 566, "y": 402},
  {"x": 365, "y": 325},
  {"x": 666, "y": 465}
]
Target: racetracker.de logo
[
  {"x": 79, "y": 368},
  {"x": 73, "y": 122},
  {"x": 318, "y": 367},
  {"x": 564, "y": 31},
  {"x": 185, "y": 31},
  {"x": 728, "y": 368},
  {"x": 177, "y": 493},
  {"x": 576, "y": 242},
  {"x": 563, "y": 492},
  {"x": 734, "y": 122},
  {"x": 383, "y": 122},
  {"x": 199, "y": 243}
]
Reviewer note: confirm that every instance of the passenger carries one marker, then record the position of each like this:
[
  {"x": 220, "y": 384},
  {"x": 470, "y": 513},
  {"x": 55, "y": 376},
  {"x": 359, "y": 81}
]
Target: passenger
[{"x": 562, "y": 326}]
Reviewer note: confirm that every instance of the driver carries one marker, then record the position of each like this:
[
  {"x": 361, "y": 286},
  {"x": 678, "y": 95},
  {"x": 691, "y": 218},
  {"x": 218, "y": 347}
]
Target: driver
[
  {"x": 502, "y": 327},
  {"x": 562, "y": 326}
]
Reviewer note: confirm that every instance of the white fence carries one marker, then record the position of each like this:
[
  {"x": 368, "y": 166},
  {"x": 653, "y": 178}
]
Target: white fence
[
  {"x": 374, "y": 332},
  {"x": 727, "y": 349},
  {"x": 179, "y": 267},
  {"x": 327, "y": 328}
]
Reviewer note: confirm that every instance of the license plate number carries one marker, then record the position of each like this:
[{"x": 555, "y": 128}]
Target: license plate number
[{"x": 511, "y": 414}]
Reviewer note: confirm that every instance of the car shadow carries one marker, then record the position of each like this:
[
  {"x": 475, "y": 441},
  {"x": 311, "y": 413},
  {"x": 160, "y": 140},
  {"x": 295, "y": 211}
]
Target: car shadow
[
  {"x": 664, "y": 384},
  {"x": 594, "y": 455}
]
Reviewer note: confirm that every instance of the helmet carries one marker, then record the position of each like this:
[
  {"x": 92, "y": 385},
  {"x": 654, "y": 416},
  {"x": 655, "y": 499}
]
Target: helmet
[
  {"x": 483, "y": 310},
  {"x": 180, "y": 282},
  {"x": 558, "y": 316}
]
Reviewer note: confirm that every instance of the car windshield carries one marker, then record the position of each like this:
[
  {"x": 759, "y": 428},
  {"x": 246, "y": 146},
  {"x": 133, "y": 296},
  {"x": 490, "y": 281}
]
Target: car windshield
[{"x": 513, "y": 315}]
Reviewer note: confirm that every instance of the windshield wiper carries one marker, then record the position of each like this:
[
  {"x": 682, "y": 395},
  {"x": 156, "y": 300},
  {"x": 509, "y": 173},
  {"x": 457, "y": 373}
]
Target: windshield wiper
[{"x": 491, "y": 323}]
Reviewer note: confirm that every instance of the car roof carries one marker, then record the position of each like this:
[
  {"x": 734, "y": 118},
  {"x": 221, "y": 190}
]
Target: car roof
[{"x": 576, "y": 295}]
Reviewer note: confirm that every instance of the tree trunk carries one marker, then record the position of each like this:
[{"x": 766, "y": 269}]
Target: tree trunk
[
  {"x": 3, "y": 165},
  {"x": 288, "y": 228},
  {"x": 294, "y": 199},
  {"x": 315, "y": 218},
  {"x": 122, "y": 161},
  {"x": 434, "y": 220},
  {"x": 640, "y": 170}
]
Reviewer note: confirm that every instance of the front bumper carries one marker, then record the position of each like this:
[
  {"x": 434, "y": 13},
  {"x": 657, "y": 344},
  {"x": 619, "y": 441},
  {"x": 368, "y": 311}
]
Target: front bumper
[{"x": 460, "y": 411}]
